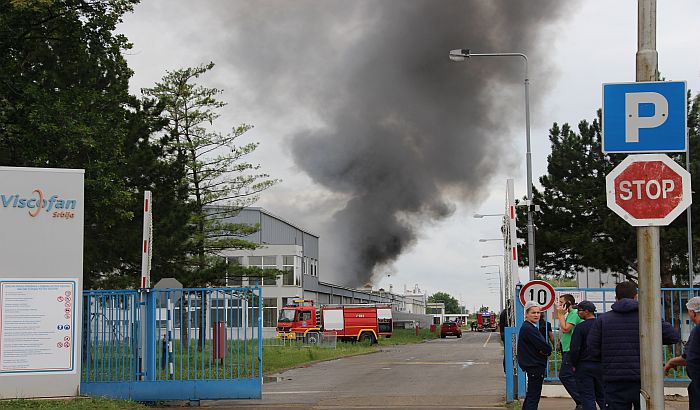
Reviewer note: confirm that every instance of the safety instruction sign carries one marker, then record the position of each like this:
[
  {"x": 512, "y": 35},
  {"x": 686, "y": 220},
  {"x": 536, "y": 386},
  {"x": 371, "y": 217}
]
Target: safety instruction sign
[{"x": 37, "y": 325}]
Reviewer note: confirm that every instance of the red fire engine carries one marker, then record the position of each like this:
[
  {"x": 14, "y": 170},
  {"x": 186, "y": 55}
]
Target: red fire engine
[
  {"x": 363, "y": 322},
  {"x": 486, "y": 321}
]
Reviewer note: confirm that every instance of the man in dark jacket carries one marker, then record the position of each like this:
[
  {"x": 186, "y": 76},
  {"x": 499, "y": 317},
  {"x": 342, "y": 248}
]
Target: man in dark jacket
[
  {"x": 614, "y": 340},
  {"x": 587, "y": 370},
  {"x": 533, "y": 351}
]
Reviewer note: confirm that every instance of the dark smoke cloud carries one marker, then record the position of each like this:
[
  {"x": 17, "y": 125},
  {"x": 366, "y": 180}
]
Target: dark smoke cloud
[{"x": 406, "y": 132}]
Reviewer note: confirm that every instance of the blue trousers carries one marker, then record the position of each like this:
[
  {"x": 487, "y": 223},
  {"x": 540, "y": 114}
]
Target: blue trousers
[
  {"x": 589, "y": 382},
  {"x": 535, "y": 378},
  {"x": 567, "y": 378},
  {"x": 622, "y": 395}
]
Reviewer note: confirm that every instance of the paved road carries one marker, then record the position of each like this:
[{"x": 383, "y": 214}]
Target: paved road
[{"x": 454, "y": 373}]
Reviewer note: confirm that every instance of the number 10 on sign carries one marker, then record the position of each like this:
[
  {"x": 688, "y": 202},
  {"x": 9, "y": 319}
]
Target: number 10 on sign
[{"x": 538, "y": 291}]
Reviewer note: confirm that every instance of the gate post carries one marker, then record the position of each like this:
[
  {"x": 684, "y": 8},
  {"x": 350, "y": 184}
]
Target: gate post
[
  {"x": 150, "y": 339},
  {"x": 508, "y": 357},
  {"x": 519, "y": 317}
]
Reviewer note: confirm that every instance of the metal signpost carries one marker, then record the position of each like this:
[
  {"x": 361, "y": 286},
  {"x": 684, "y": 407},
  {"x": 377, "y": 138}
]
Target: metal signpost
[{"x": 647, "y": 116}]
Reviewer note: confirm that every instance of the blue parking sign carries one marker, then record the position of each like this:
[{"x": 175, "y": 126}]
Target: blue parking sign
[{"x": 644, "y": 117}]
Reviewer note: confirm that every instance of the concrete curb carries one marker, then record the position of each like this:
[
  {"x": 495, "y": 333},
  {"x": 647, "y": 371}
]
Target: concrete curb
[{"x": 558, "y": 391}]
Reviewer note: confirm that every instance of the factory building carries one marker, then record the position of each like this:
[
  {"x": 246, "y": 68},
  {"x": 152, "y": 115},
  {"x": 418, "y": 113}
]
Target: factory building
[{"x": 294, "y": 250}]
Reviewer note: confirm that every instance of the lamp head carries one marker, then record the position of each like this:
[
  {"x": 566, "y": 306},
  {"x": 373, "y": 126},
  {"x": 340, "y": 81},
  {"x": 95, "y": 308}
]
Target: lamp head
[{"x": 459, "y": 54}]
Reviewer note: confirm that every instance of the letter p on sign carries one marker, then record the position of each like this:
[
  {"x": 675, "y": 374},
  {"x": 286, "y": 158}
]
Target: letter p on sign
[{"x": 633, "y": 122}]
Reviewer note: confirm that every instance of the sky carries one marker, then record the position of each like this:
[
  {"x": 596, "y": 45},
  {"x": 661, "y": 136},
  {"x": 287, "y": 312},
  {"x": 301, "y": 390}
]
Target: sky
[{"x": 385, "y": 148}]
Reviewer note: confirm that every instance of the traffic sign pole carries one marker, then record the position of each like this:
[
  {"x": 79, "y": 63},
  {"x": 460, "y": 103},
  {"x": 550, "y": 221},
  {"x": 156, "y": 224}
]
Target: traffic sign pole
[{"x": 648, "y": 263}]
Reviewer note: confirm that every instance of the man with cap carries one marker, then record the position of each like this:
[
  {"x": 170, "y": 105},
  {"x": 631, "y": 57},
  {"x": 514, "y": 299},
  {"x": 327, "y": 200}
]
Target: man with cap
[
  {"x": 587, "y": 370},
  {"x": 533, "y": 351},
  {"x": 691, "y": 357}
]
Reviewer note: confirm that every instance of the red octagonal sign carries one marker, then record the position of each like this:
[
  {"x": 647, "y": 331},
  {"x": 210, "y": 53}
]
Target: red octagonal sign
[{"x": 648, "y": 190}]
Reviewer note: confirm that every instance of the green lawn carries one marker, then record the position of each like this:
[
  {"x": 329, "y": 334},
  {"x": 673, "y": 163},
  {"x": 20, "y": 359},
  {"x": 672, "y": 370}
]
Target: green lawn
[{"x": 80, "y": 403}]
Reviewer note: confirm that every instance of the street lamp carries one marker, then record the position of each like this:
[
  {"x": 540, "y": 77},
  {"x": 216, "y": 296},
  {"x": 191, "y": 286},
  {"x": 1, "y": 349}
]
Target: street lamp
[
  {"x": 462, "y": 55},
  {"x": 491, "y": 239},
  {"x": 483, "y": 215},
  {"x": 492, "y": 256}
]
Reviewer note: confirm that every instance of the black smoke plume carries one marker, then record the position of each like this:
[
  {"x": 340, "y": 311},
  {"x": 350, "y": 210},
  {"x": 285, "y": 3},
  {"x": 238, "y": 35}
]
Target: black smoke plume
[{"x": 402, "y": 132}]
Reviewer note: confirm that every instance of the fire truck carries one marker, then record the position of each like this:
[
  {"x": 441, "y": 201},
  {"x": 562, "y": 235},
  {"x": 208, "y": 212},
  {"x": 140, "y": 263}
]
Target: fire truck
[
  {"x": 486, "y": 321},
  {"x": 361, "y": 322}
]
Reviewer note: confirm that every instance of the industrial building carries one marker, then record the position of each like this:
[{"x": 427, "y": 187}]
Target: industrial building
[{"x": 294, "y": 250}]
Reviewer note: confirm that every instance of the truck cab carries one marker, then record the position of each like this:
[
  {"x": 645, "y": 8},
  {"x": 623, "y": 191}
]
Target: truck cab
[{"x": 298, "y": 317}]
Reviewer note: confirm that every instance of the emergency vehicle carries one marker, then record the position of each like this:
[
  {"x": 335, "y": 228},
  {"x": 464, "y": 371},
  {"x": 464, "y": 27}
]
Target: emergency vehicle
[
  {"x": 363, "y": 322},
  {"x": 486, "y": 321}
]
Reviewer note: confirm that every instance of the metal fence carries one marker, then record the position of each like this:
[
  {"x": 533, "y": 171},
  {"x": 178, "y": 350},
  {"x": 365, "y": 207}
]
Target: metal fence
[
  {"x": 673, "y": 310},
  {"x": 173, "y": 344}
]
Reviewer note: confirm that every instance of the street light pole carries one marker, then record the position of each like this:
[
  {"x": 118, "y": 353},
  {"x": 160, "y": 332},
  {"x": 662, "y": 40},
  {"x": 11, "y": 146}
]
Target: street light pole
[{"x": 463, "y": 54}]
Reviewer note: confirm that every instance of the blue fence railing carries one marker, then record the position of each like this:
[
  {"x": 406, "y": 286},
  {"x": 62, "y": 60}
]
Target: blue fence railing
[{"x": 172, "y": 344}]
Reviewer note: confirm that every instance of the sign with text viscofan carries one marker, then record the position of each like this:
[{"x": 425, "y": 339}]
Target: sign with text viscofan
[
  {"x": 648, "y": 190},
  {"x": 41, "y": 275}
]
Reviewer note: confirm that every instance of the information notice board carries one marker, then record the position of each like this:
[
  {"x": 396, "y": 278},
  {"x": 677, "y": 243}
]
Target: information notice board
[{"x": 37, "y": 325}]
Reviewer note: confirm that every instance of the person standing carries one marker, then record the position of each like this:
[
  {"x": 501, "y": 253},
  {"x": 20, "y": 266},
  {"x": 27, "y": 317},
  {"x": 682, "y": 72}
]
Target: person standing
[
  {"x": 568, "y": 319},
  {"x": 533, "y": 351},
  {"x": 614, "y": 340},
  {"x": 691, "y": 357},
  {"x": 587, "y": 370}
]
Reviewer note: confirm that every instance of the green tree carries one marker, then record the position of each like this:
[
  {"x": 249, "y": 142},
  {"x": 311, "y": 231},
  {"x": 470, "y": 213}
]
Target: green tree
[
  {"x": 451, "y": 304},
  {"x": 220, "y": 181},
  {"x": 575, "y": 228},
  {"x": 64, "y": 103}
]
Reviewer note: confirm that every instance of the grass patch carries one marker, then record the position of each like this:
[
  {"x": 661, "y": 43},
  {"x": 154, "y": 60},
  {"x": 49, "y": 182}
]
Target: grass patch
[
  {"x": 81, "y": 403},
  {"x": 276, "y": 358},
  {"x": 408, "y": 336}
]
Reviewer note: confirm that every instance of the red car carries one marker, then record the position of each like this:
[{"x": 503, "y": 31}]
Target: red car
[{"x": 450, "y": 329}]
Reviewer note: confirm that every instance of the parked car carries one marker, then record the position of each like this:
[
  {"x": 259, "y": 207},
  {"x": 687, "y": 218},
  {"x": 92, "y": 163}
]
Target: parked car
[{"x": 450, "y": 329}]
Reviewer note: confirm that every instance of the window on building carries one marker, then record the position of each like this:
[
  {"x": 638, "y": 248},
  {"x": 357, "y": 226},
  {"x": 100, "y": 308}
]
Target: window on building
[
  {"x": 269, "y": 312},
  {"x": 288, "y": 267},
  {"x": 235, "y": 280},
  {"x": 263, "y": 262},
  {"x": 270, "y": 262}
]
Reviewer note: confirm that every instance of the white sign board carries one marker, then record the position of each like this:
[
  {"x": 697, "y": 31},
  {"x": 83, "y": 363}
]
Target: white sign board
[
  {"x": 41, "y": 249},
  {"x": 37, "y": 325},
  {"x": 537, "y": 291}
]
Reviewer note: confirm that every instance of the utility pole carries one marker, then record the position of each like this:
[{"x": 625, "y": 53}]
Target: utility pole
[{"x": 652, "y": 380}]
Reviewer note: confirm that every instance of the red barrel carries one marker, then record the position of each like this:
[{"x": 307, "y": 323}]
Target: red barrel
[
  {"x": 218, "y": 340},
  {"x": 432, "y": 328}
]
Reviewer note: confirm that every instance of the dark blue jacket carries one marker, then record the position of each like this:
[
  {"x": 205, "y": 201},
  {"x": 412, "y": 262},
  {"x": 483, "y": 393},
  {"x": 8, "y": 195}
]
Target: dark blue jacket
[
  {"x": 692, "y": 354},
  {"x": 614, "y": 340},
  {"x": 533, "y": 349},
  {"x": 579, "y": 349}
]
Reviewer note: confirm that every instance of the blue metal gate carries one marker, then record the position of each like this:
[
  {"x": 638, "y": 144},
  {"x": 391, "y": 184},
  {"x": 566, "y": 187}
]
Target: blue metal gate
[{"x": 172, "y": 344}]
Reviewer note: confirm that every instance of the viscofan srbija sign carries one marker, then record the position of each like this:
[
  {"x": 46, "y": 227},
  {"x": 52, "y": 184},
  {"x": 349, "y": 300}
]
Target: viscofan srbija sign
[{"x": 37, "y": 202}]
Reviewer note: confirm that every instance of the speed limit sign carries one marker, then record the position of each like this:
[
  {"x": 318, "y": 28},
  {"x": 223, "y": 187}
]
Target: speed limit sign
[{"x": 538, "y": 291}]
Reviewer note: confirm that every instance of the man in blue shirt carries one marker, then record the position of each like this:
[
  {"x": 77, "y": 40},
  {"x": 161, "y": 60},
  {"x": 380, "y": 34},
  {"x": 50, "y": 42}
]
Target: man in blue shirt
[
  {"x": 587, "y": 370},
  {"x": 691, "y": 357}
]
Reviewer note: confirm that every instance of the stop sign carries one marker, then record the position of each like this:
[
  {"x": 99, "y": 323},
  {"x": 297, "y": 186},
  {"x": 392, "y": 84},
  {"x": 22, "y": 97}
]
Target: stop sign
[{"x": 648, "y": 190}]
